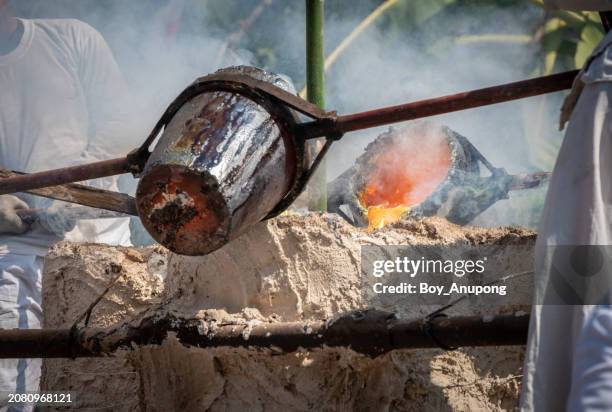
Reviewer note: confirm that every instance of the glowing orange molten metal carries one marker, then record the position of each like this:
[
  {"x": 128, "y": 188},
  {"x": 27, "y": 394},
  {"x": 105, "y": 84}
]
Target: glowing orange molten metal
[{"x": 404, "y": 175}]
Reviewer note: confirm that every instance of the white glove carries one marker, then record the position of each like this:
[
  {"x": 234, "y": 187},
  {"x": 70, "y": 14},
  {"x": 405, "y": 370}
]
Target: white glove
[
  {"x": 10, "y": 222},
  {"x": 56, "y": 219}
]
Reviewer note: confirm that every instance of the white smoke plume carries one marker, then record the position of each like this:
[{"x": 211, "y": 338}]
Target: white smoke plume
[{"x": 160, "y": 59}]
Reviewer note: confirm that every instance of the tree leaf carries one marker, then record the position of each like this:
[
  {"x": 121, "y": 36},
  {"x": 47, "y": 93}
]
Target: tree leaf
[
  {"x": 571, "y": 18},
  {"x": 551, "y": 41},
  {"x": 592, "y": 34},
  {"x": 590, "y": 37}
]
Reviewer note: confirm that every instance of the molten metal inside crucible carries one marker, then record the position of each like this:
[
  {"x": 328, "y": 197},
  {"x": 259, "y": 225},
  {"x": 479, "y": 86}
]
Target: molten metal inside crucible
[{"x": 403, "y": 174}]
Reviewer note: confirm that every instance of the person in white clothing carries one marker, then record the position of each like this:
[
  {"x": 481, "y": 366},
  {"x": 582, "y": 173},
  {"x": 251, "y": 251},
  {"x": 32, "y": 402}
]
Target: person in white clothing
[
  {"x": 60, "y": 99},
  {"x": 568, "y": 362}
]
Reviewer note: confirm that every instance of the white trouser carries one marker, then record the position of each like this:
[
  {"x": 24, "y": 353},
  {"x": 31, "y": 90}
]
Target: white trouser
[
  {"x": 20, "y": 307},
  {"x": 592, "y": 369},
  {"x": 578, "y": 211}
]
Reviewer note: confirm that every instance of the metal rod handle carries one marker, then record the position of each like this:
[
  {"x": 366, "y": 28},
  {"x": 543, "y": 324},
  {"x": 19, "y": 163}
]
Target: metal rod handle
[
  {"x": 64, "y": 175},
  {"x": 439, "y": 105}
]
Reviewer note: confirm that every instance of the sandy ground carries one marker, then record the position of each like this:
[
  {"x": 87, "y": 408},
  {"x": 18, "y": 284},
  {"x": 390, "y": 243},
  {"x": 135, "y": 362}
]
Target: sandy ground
[{"x": 289, "y": 268}]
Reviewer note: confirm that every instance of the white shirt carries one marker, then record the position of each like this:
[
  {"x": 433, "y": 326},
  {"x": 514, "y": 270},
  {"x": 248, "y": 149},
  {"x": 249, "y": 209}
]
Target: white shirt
[{"x": 60, "y": 105}]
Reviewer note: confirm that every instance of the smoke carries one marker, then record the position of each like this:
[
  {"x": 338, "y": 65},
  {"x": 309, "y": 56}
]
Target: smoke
[
  {"x": 163, "y": 45},
  {"x": 377, "y": 72},
  {"x": 450, "y": 56},
  {"x": 413, "y": 161},
  {"x": 158, "y": 59},
  {"x": 157, "y": 55}
]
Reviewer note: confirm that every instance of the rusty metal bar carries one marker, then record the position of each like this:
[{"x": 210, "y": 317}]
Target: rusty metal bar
[
  {"x": 371, "y": 332},
  {"x": 65, "y": 175},
  {"x": 30, "y": 216},
  {"x": 445, "y": 104},
  {"x": 84, "y": 195},
  {"x": 35, "y": 343}
]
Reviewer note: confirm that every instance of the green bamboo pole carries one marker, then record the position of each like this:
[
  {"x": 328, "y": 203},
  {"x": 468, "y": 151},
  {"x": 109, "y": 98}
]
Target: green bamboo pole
[{"x": 315, "y": 86}]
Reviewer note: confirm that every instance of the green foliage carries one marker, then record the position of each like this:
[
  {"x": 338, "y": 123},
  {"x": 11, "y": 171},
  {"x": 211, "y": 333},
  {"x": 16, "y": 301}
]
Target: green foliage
[
  {"x": 567, "y": 39},
  {"x": 589, "y": 38}
]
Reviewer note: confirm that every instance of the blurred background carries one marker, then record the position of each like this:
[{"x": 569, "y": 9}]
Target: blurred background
[{"x": 380, "y": 53}]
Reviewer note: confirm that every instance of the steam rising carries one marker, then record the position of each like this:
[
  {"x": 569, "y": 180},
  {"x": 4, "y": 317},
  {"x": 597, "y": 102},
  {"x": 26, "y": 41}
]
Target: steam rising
[{"x": 160, "y": 59}]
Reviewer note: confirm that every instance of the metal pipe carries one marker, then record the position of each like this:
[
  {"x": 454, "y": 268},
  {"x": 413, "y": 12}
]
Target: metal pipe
[
  {"x": 84, "y": 195},
  {"x": 30, "y": 216},
  {"x": 35, "y": 343},
  {"x": 370, "y": 332},
  {"x": 315, "y": 91},
  {"x": 445, "y": 104},
  {"x": 315, "y": 59},
  {"x": 64, "y": 175}
]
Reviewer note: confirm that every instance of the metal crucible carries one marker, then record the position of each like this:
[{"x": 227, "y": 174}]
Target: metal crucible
[
  {"x": 421, "y": 170},
  {"x": 222, "y": 164}
]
